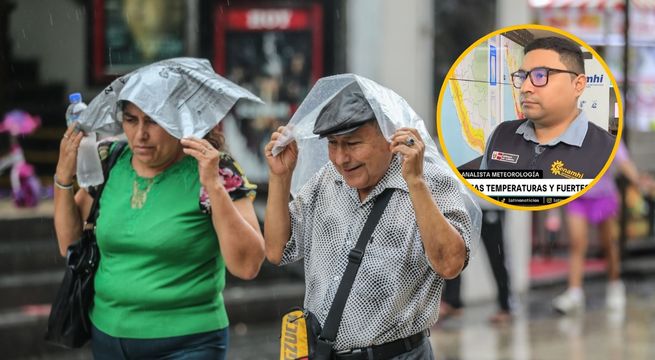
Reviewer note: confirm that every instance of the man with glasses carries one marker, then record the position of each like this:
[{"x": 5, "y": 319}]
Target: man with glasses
[{"x": 555, "y": 136}]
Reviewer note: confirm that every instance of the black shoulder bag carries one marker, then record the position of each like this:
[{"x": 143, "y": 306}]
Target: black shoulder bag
[
  {"x": 69, "y": 325},
  {"x": 302, "y": 336}
]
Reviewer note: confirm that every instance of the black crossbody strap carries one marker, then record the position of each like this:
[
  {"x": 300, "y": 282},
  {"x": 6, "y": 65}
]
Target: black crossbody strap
[
  {"x": 113, "y": 156},
  {"x": 355, "y": 256}
]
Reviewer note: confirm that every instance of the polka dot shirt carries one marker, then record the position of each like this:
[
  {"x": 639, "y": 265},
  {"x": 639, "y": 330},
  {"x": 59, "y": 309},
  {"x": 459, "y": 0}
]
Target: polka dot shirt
[{"x": 396, "y": 292}]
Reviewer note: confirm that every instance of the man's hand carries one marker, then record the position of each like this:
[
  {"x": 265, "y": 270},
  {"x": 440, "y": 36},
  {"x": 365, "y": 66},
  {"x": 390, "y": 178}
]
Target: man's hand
[
  {"x": 444, "y": 246},
  {"x": 284, "y": 163},
  {"x": 409, "y": 144}
]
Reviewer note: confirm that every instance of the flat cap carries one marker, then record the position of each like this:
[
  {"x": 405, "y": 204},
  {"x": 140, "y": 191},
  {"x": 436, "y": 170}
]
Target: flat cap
[{"x": 346, "y": 112}]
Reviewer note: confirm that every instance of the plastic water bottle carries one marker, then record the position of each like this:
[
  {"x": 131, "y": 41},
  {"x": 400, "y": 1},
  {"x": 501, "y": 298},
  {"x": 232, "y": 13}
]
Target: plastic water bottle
[
  {"x": 75, "y": 108},
  {"x": 89, "y": 168}
]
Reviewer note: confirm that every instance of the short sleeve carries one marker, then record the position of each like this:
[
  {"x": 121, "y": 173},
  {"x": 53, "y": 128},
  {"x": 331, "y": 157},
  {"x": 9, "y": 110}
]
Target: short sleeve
[
  {"x": 445, "y": 191},
  {"x": 294, "y": 248},
  {"x": 301, "y": 215},
  {"x": 234, "y": 180}
]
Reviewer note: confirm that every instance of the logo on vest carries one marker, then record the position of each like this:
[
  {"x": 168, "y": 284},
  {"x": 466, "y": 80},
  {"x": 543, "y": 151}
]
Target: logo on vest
[
  {"x": 557, "y": 168},
  {"x": 504, "y": 157}
]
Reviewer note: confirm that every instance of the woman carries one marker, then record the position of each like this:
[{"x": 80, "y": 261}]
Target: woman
[
  {"x": 173, "y": 215},
  {"x": 597, "y": 207}
]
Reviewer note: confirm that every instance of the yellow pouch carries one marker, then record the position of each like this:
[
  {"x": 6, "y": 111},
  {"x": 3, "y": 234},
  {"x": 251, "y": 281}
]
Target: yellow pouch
[{"x": 300, "y": 330}]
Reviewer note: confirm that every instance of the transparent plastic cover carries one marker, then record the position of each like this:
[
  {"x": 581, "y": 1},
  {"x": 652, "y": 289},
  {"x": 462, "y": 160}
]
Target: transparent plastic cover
[{"x": 391, "y": 111}]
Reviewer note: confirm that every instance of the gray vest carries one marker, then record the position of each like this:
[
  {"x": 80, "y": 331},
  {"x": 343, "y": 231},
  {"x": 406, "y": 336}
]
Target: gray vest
[{"x": 510, "y": 151}]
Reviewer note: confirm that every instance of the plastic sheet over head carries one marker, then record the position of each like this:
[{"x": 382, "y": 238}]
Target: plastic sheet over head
[
  {"x": 183, "y": 95},
  {"x": 391, "y": 111}
]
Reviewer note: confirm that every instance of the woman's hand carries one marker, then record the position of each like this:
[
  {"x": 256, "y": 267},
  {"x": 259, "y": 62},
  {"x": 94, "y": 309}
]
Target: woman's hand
[
  {"x": 68, "y": 148},
  {"x": 208, "y": 158}
]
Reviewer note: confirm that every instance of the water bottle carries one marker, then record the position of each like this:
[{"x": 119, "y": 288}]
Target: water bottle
[
  {"x": 75, "y": 108},
  {"x": 89, "y": 168}
]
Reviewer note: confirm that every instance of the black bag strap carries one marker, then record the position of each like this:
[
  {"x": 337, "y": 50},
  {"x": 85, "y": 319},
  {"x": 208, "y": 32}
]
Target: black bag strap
[
  {"x": 111, "y": 161},
  {"x": 333, "y": 320}
]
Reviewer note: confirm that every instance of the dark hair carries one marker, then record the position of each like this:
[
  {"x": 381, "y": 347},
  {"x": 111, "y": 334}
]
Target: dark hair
[
  {"x": 374, "y": 122},
  {"x": 569, "y": 52},
  {"x": 216, "y": 139},
  {"x": 215, "y": 136}
]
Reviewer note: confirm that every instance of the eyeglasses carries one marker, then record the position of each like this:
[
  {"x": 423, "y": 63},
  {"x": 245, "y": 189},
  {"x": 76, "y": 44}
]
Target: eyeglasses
[{"x": 538, "y": 76}]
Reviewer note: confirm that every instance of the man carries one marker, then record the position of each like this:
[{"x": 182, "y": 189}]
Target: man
[
  {"x": 556, "y": 137},
  {"x": 494, "y": 245},
  {"x": 421, "y": 238}
]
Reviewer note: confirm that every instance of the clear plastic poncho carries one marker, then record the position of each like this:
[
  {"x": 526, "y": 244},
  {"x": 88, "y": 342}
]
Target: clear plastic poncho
[
  {"x": 183, "y": 95},
  {"x": 391, "y": 111}
]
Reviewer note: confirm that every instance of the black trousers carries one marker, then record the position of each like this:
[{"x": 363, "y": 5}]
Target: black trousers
[{"x": 492, "y": 238}]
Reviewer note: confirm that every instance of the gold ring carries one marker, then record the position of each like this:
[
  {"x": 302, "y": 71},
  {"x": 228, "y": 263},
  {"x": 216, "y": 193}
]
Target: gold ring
[{"x": 65, "y": 136}]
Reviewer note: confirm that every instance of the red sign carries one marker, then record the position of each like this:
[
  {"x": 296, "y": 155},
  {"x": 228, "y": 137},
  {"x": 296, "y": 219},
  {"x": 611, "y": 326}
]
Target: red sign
[
  {"x": 268, "y": 19},
  {"x": 275, "y": 52}
]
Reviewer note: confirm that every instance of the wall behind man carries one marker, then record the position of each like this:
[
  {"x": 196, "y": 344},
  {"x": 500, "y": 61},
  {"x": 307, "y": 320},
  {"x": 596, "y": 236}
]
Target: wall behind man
[{"x": 390, "y": 42}]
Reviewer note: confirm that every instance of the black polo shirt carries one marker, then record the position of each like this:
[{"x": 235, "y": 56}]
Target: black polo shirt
[{"x": 579, "y": 153}]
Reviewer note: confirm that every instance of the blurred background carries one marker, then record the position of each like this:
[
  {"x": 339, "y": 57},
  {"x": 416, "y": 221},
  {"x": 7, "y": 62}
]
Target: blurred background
[{"x": 278, "y": 49}]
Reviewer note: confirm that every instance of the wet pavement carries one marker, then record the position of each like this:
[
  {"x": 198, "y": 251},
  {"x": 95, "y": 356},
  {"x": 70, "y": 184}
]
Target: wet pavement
[{"x": 536, "y": 332}]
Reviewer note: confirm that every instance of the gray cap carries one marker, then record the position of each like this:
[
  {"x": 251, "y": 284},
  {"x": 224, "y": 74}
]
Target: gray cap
[{"x": 346, "y": 112}]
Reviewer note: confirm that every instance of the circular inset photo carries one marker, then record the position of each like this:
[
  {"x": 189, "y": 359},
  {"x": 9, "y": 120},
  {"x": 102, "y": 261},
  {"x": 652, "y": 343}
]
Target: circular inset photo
[{"x": 530, "y": 117}]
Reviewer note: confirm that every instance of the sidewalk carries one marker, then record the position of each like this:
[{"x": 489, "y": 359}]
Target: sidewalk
[
  {"x": 539, "y": 333},
  {"x": 45, "y": 209}
]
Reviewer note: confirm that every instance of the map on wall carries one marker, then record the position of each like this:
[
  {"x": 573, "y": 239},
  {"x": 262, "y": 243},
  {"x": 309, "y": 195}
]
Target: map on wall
[{"x": 478, "y": 96}]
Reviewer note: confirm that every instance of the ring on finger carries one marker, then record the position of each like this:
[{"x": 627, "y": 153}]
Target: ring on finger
[
  {"x": 65, "y": 136},
  {"x": 410, "y": 142}
]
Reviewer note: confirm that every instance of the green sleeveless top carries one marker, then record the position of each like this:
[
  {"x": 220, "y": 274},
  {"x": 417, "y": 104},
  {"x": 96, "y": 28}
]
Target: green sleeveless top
[{"x": 161, "y": 272}]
